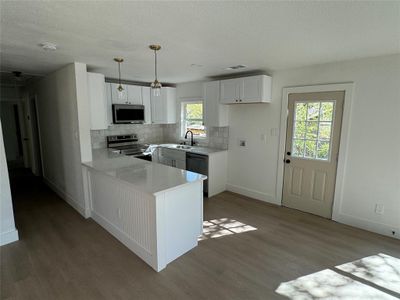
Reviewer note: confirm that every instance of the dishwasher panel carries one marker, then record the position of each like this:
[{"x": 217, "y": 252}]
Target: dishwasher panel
[{"x": 199, "y": 164}]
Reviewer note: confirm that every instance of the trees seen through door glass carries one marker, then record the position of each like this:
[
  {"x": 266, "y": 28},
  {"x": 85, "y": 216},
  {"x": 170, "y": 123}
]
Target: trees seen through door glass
[{"x": 312, "y": 129}]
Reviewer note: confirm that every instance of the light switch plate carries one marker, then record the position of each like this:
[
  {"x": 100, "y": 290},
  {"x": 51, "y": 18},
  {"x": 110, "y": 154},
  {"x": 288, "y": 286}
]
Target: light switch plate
[{"x": 264, "y": 138}]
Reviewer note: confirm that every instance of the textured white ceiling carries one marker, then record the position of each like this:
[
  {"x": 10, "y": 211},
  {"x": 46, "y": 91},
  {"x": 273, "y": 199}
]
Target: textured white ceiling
[{"x": 218, "y": 34}]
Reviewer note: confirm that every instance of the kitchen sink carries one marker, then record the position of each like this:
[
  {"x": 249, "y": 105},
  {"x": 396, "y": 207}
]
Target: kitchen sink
[{"x": 183, "y": 147}]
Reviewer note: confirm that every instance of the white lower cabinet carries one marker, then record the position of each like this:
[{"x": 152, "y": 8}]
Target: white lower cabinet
[
  {"x": 172, "y": 158},
  {"x": 217, "y": 166}
]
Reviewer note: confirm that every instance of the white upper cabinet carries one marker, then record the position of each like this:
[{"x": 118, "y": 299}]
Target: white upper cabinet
[
  {"x": 98, "y": 101},
  {"x": 134, "y": 94},
  {"x": 251, "y": 89},
  {"x": 216, "y": 115},
  {"x": 147, "y": 104},
  {"x": 119, "y": 98},
  {"x": 229, "y": 91},
  {"x": 163, "y": 107},
  {"x": 109, "y": 103}
]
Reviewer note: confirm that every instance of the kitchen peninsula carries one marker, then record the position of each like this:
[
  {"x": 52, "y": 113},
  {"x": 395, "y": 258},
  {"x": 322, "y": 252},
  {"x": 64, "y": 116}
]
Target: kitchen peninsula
[{"x": 153, "y": 209}]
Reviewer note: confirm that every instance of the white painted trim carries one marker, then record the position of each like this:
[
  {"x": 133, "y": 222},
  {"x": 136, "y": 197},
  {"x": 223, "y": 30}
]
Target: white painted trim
[
  {"x": 251, "y": 193},
  {"x": 366, "y": 225},
  {"x": 9, "y": 237},
  {"x": 65, "y": 196},
  {"x": 344, "y": 137}
]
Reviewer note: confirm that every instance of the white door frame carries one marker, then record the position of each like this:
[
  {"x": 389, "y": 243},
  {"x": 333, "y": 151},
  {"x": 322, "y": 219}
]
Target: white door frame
[{"x": 344, "y": 137}]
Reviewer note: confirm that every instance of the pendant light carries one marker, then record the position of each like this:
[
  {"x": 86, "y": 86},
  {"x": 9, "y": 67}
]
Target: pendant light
[
  {"x": 120, "y": 89},
  {"x": 155, "y": 85}
]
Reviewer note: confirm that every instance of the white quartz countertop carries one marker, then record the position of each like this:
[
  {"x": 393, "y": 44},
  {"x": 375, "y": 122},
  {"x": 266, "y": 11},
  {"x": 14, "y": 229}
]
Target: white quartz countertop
[
  {"x": 143, "y": 175},
  {"x": 193, "y": 149}
]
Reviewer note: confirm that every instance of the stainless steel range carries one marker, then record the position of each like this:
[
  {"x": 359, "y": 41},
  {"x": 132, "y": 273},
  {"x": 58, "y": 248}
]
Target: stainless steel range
[{"x": 128, "y": 145}]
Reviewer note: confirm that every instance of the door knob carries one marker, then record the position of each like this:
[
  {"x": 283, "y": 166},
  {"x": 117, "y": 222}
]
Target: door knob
[{"x": 287, "y": 161}]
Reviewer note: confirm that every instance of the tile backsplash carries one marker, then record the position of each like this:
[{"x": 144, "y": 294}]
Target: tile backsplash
[
  {"x": 147, "y": 133},
  {"x": 217, "y": 137}
]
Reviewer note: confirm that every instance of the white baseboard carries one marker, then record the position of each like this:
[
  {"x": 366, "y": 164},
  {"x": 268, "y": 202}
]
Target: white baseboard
[
  {"x": 367, "y": 225},
  {"x": 9, "y": 237},
  {"x": 65, "y": 196},
  {"x": 252, "y": 193}
]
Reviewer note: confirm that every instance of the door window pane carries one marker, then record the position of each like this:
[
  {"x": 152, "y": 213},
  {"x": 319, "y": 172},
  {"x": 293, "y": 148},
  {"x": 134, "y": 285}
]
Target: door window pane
[
  {"x": 310, "y": 149},
  {"x": 326, "y": 111},
  {"x": 301, "y": 111},
  {"x": 298, "y": 148},
  {"x": 324, "y": 130},
  {"x": 300, "y": 130},
  {"x": 312, "y": 129},
  {"x": 323, "y": 150},
  {"x": 313, "y": 111}
]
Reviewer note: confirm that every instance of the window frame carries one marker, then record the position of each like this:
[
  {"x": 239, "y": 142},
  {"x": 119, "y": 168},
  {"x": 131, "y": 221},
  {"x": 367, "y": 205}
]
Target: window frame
[
  {"x": 183, "y": 117},
  {"x": 317, "y": 139}
]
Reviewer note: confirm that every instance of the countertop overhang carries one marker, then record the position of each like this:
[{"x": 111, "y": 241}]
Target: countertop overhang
[{"x": 145, "y": 176}]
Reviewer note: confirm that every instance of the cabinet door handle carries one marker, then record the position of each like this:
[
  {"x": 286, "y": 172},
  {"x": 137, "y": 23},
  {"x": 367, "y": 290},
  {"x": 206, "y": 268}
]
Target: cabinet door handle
[{"x": 240, "y": 100}]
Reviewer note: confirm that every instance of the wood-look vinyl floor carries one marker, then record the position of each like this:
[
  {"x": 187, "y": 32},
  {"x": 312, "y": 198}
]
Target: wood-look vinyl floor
[{"x": 61, "y": 255}]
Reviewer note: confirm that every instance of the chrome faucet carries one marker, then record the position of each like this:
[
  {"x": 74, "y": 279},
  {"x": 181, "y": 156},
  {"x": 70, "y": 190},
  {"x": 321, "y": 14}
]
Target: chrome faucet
[{"x": 191, "y": 140}]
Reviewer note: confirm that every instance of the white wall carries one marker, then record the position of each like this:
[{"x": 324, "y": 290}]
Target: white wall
[
  {"x": 8, "y": 233},
  {"x": 64, "y": 134},
  {"x": 372, "y": 173}
]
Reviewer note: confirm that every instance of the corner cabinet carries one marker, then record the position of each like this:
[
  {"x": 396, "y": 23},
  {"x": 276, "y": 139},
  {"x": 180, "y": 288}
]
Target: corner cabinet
[
  {"x": 216, "y": 115},
  {"x": 251, "y": 89},
  {"x": 163, "y": 107},
  {"x": 97, "y": 101}
]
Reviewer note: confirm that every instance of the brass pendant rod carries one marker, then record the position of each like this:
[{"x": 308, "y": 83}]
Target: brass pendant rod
[
  {"x": 155, "y": 63},
  {"x": 119, "y": 73}
]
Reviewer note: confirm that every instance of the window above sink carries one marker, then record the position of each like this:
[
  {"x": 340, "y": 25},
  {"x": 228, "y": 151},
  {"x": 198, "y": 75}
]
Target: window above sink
[{"x": 192, "y": 118}]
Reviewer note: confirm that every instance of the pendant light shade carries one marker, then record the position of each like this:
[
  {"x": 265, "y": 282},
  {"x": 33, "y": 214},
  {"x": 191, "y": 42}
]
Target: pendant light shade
[
  {"x": 155, "y": 85},
  {"x": 120, "y": 89}
]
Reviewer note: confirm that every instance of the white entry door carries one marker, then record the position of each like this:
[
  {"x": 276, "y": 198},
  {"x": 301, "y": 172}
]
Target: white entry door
[{"x": 312, "y": 147}]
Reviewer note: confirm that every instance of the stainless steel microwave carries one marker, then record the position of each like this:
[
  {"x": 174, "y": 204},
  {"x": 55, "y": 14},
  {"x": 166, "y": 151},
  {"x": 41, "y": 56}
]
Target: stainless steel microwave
[{"x": 127, "y": 114}]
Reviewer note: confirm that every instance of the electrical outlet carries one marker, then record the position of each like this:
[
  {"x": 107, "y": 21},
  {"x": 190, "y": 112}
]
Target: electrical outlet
[{"x": 379, "y": 209}]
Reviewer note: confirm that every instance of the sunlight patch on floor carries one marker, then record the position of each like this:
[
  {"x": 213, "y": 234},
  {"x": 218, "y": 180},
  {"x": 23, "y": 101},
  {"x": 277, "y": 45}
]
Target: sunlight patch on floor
[
  {"x": 328, "y": 284},
  {"x": 222, "y": 227},
  {"x": 381, "y": 269}
]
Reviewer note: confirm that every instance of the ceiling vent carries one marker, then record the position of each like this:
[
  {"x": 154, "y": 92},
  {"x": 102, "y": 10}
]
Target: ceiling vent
[
  {"x": 237, "y": 67},
  {"x": 48, "y": 46}
]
